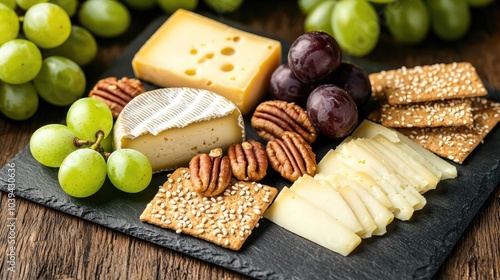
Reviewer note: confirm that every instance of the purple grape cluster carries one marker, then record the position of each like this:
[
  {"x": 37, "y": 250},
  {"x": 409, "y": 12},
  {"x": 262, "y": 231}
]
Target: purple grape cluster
[{"x": 316, "y": 78}]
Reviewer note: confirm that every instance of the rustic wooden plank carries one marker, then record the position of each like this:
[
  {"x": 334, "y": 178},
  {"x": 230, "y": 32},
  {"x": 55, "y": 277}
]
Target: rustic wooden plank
[{"x": 53, "y": 245}]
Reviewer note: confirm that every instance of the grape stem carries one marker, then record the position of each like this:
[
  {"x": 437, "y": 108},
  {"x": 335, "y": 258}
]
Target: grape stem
[
  {"x": 79, "y": 142},
  {"x": 99, "y": 135}
]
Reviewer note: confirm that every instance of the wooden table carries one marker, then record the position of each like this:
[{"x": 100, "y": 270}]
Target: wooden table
[{"x": 53, "y": 245}]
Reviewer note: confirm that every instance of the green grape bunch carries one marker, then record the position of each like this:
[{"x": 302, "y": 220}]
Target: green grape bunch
[
  {"x": 82, "y": 151},
  {"x": 356, "y": 24}
]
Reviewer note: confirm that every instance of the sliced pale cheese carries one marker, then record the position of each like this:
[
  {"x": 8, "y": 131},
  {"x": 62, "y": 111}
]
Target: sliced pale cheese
[
  {"x": 323, "y": 196},
  {"x": 190, "y": 50},
  {"x": 370, "y": 162},
  {"x": 379, "y": 213},
  {"x": 416, "y": 181},
  {"x": 329, "y": 166},
  {"x": 407, "y": 165},
  {"x": 368, "y": 129},
  {"x": 401, "y": 207},
  {"x": 172, "y": 125},
  {"x": 295, "y": 214},
  {"x": 359, "y": 209}
]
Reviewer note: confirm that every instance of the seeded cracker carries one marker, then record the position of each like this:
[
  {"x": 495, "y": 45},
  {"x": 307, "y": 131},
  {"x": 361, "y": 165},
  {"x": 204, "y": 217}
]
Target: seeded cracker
[
  {"x": 456, "y": 143},
  {"x": 427, "y": 83},
  {"x": 226, "y": 220},
  {"x": 454, "y": 112}
]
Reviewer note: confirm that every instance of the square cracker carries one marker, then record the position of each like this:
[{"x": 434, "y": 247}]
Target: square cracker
[
  {"x": 427, "y": 83},
  {"x": 457, "y": 143},
  {"x": 455, "y": 112},
  {"x": 226, "y": 220}
]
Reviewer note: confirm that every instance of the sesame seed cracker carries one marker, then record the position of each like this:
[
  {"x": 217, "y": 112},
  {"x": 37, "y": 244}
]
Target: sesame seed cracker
[
  {"x": 455, "y": 112},
  {"x": 427, "y": 83},
  {"x": 226, "y": 220},
  {"x": 457, "y": 143}
]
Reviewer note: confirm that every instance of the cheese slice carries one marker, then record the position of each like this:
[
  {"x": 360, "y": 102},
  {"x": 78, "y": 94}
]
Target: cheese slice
[
  {"x": 295, "y": 214},
  {"x": 400, "y": 206},
  {"x": 172, "y": 125},
  {"x": 190, "y": 50},
  {"x": 368, "y": 129},
  {"x": 371, "y": 163},
  {"x": 380, "y": 214},
  {"x": 320, "y": 193}
]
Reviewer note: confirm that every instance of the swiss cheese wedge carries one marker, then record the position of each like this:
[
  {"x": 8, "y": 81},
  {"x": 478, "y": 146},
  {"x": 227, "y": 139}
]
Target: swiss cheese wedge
[{"x": 190, "y": 50}]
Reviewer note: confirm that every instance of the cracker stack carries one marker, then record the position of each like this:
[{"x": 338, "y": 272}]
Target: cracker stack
[{"x": 439, "y": 106}]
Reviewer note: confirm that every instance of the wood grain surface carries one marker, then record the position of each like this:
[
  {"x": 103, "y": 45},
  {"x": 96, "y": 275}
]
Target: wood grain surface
[{"x": 53, "y": 245}]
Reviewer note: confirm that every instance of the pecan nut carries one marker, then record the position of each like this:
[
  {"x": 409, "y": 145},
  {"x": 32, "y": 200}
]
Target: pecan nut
[
  {"x": 291, "y": 156},
  {"x": 116, "y": 93},
  {"x": 248, "y": 160},
  {"x": 272, "y": 118},
  {"x": 210, "y": 173}
]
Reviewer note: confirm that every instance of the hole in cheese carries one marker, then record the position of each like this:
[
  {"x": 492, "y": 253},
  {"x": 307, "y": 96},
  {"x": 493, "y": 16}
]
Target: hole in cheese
[
  {"x": 209, "y": 83},
  {"x": 227, "y": 51},
  {"x": 209, "y": 55},
  {"x": 190, "y": 72},
  {"x": 227, "y": 67},
  {"x": 193, "y": 51}
]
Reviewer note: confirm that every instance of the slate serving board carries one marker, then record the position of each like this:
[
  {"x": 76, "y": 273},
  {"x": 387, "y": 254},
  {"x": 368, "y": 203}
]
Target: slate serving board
[{"x": 410, "y": 250}]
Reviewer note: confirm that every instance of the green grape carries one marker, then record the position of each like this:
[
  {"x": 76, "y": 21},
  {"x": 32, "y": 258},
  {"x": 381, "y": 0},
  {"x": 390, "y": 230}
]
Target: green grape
[
  {"x": 87, "y": 116},
  {"x": 51, "y": 144},
  {"x": 68, "y": 5},
  {"x": 104, "y": 18},
  {"x": 82, "y": 173},
  {"x": 382, "y": 1},
  {"x": 141, "y": 5},
  {"x": 9, "y": 3},
  {"x": 355, "y": 26},
  {"x": 169, "y": 6},
  {"x": 450, "y": 19},
  {"x": 107, "y": 142},
  {"x": 129, "y": 170},
  {"x": 18, "y": 102},
  {"x": 479, "y": 3},
  {"x": 9, "y": 24},
  {"x": 20, "y": 61},
  {"x": 81, "y": 47},
  {"x": 26, "y": 4},
  {"x": 224, "y": 6},
  {"x": 306, "y": 6},
  {"x": 319, "y": 19},
  {"x": 47, "y": 25},
  {"x": 408, "y": 20},
  {"x": 60, "y": 81}
]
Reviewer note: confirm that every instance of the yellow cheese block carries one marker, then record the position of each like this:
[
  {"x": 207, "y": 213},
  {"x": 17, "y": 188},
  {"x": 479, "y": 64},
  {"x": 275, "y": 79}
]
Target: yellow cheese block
[{"x": 190, "y": 50}]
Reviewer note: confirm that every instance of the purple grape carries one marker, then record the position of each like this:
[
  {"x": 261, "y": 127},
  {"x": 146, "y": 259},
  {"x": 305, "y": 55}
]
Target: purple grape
[
  {"x": 332, "y": 111},
  {"x": 285, "y": 86},
  {"x": 354, "y": 80},
  {"x": 313, "y": 56}
]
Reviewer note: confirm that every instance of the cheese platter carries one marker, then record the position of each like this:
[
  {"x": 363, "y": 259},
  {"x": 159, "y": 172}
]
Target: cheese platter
[{"x": 410, "y": 249}]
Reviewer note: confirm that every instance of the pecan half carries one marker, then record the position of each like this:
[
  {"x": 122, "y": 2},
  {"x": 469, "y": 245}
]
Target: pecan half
[
  {"x": 291, "y": 156},
  {"x": 248, "y": 160},
  {"x": 210, "y": 173},
  {"x": 116, "y": 93},
  {"x": 272, "y": 118}
]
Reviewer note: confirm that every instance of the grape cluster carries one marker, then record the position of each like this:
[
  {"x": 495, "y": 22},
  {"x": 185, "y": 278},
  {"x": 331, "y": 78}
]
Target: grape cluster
[
  {"x": 41, "y": 54},
  {"x": 316, "y": 78},
  {"x": 80, "y": 148},
  {"x": 356, "y": 24}
]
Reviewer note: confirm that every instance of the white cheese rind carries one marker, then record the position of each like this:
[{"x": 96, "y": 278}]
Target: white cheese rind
[
  {"x": 295, "y": 214},
  {"x": 171, "y": 125}
]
